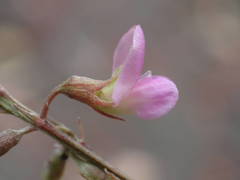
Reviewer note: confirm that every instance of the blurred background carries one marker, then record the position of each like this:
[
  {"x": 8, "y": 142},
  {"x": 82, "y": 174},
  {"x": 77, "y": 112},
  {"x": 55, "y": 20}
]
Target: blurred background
[{"x": 196, "y": 43}]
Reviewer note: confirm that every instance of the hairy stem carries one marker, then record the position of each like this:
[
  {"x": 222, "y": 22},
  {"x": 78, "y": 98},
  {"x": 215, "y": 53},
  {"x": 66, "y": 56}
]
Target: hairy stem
[
  {"x": 11, "y": 105},
  {"x": 45, "y": 109}
]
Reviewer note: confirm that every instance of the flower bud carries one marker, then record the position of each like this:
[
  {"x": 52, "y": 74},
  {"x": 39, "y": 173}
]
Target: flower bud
[
  {"x": 91, "y": 172},
  {"x": 56, "y": 164},
  {"x": 8, "y": 139}
]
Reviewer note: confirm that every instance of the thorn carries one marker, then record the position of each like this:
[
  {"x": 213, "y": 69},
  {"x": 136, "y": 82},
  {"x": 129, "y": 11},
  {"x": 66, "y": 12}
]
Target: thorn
[{"x": 81, "y": 130}]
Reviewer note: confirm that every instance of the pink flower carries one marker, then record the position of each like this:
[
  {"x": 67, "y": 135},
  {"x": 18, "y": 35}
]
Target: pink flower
[
  {"x": 148, "y": 96},
  {"x": 127, "y": 91}
]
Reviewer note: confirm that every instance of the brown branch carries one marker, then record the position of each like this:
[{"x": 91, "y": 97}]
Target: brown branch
[{"x": 11, "y": 105}]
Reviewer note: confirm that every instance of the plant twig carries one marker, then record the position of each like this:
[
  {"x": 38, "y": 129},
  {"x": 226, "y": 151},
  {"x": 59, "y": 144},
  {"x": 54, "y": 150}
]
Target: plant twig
[{"x": 11, "y": 105}]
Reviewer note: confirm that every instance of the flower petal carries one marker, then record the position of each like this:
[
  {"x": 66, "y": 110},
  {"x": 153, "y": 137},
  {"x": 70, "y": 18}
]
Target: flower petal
[
  {"x": 129, "y": 56},
  {"x": 153, "y": 97}
]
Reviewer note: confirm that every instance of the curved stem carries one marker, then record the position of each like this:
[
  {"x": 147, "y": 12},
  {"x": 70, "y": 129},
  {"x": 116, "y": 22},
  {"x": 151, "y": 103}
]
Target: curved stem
[
  {"x": 45, "y": 109},
  {"x": 12, "y": 106}
]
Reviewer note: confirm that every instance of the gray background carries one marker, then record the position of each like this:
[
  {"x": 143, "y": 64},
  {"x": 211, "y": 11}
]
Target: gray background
[{"x": 196, "y": 43}]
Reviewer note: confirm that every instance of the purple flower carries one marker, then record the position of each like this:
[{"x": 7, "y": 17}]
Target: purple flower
[{"x": 147, "y": 96}]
